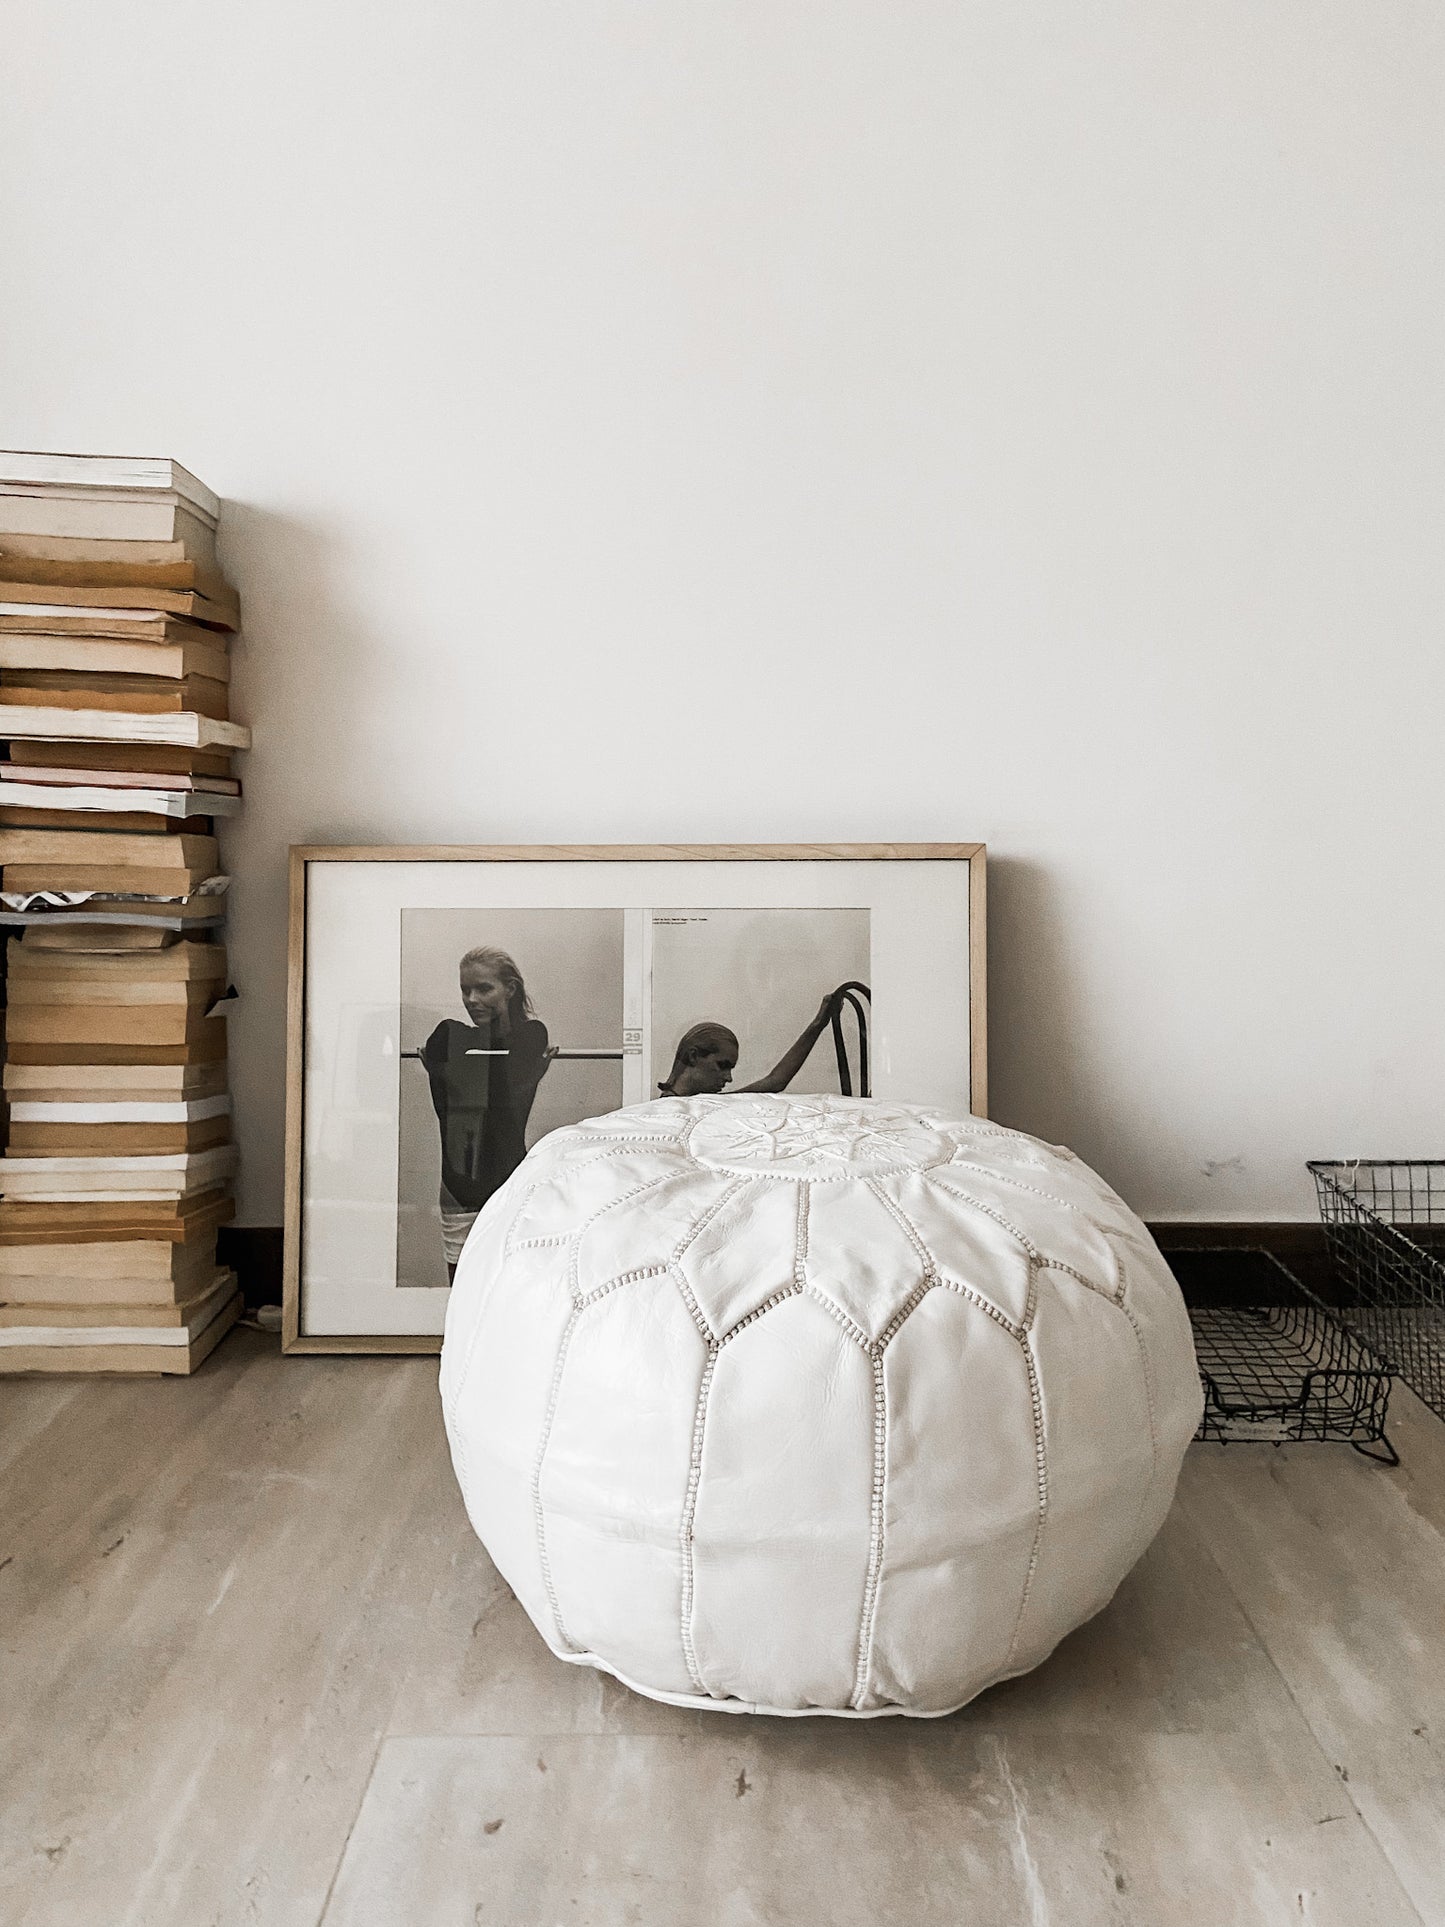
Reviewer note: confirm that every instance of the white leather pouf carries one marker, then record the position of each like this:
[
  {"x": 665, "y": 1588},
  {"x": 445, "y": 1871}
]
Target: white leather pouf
[{"x": 799, "y": 1405}]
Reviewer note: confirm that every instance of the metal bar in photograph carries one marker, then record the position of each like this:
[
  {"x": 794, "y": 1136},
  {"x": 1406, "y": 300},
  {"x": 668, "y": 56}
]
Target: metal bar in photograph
[{"x": 590, "y": 1056}]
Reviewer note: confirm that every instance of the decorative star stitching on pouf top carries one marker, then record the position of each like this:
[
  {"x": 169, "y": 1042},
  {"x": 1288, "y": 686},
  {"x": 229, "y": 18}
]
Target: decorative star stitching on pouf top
[{"x": 818, "y": 1138}]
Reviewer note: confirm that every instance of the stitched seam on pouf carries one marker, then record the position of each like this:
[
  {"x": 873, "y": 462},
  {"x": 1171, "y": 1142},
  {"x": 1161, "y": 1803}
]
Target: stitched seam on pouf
[
  {"x": 1042, "y": 1469},
  {"x": 574, "y": 1283},
  {"x": 987, "y": 1211},
  {"x": 910, "y": 1305},
  {"x": 1086, "y": 1212},
  {"x": 800, "y": 1280},
  {"x": 1031, "y": 1296},
  {"x": 875, "y": 1529},
  {"x": 591, "y": 1145},
  {"x": 1004, "y": 1177},
  {"x": 1119, "y": 1261},
  {"x": 622, "y": 1278},
  {"x": 683, "y": 1245},
  {"x": 618, "y": 1148},
  {"x": 998, "y": 1316},
  {"x": 750, "y": 1318},
  {"x": 617, "y": 1140},
  {"x": 696, "y": 1229},
  {"x": 922, "y": 1170},
  {"x": 904, "y": 1223},
  {"x": 510, "y": 1246},
  {"x": 689, "y": 1513},
  {"x": 538, "y": 1512},
  {"x": 930, "y": 1263},
  {"x": 1079, "y": 1278},
  {"x": 1128, "y": 1311},
  {"x": 840, "y": 1317},
  {"x": 765, "y": 1176},
  {"x": 694, "y": 1309}
]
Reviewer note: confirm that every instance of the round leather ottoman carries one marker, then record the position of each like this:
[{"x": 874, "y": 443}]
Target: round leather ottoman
[{"x": 812, "y": 1405}]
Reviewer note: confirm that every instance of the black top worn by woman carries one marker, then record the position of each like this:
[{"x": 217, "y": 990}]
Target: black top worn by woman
[{"x": 483, "y": 1103}]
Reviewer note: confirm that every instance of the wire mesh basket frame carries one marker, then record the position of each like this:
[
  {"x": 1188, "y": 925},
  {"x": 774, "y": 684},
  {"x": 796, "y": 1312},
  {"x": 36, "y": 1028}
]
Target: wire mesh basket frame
[
  {"x": 1394, "y": 1286},
  {"x": 1285, "y": 1371}
]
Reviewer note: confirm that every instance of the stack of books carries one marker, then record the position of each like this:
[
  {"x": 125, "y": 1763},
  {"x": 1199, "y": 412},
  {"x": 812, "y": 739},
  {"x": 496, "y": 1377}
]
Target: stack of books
[{"x": 115, "y": 625}]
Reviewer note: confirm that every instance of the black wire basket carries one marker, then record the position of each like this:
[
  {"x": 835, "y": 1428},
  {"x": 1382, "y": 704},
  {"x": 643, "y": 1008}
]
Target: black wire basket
[
  {"x": 1277, "y": 1367},
  {"x": 1384, "y": 1221}
]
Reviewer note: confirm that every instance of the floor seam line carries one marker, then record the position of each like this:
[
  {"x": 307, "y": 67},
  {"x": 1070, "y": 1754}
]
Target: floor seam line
[{"x": 350, "y": 1829}]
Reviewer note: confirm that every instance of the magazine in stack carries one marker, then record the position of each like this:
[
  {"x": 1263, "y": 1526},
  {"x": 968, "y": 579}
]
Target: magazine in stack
[{"x": 117, "y": 1170}]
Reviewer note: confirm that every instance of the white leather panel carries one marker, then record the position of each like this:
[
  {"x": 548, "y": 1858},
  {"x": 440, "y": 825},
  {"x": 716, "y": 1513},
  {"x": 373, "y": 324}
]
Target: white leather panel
[
  {"x": 860, "y": 1256},
  {"x": 615, "y": 1476},
  {"x": 645, "y": 1229},
  {"x": 505, "y": 1369},
  {"x": 1160, "y": 1320},
  {"x": 559, "y": 1196},
  {"x": 745, "y": 1250},
  {"x": 964, "y": 1243},
  {"x": 1098, "y": 1454},
  {"x": 961, "y": 1506},
  {"x": 780, "y": 1555},
  {"x": 1055, "y": 1223}
]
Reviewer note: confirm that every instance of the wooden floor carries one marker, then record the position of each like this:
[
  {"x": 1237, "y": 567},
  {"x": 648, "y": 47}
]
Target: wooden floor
[{"x": 256, "y": 1669}]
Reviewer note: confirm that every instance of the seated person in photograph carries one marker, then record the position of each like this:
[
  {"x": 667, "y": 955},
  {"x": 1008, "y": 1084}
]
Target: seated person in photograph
[
  {"x": 707, "y": 1056},
  {"x": 483, "y": 1102}
]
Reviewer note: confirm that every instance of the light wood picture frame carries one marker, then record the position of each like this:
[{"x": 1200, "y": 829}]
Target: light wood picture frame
[{"x": 641, "y": 942}]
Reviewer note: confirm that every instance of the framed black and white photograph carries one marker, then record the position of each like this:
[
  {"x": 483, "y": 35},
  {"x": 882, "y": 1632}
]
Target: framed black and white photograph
[{"x": 449, "y": 1007}]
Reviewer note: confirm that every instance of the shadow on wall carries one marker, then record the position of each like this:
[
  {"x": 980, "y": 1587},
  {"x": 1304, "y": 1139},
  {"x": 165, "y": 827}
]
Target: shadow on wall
[
  {"x": 305, "y": 668},
  {"x": 303, "y": 678},
  {"x": 1037, "y": 1068}
]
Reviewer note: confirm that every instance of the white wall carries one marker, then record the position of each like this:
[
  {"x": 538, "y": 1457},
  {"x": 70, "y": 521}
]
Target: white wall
[{"x": 772, "y": 420}]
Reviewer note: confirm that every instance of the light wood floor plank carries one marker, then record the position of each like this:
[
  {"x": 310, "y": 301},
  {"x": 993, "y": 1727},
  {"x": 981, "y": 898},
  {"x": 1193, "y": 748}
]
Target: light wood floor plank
[
  {"x": 790, "y": 1823},
  {"x": 1340, "y": 1566},
  {"x": 1173, "y": 1653},
  {"x": 214, "y": 1612},
  {"x": 27, "y": 1406}
]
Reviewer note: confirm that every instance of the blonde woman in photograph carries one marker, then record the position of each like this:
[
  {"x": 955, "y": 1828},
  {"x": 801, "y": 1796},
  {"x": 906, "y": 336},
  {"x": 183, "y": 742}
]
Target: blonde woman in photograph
[{"x": 484, "y": 1075}]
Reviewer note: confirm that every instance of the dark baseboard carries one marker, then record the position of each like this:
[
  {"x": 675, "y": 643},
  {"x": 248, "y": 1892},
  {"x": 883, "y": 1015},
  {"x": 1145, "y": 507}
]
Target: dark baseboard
[
  {"x": 1299, "y": 1244},
  {"x": 1280, "y": 1237},
  {"x": 254, "y": 1251}
]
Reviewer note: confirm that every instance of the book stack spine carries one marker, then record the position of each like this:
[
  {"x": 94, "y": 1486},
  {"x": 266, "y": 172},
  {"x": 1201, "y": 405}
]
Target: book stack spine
[{"x": 115, "y": 628}]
